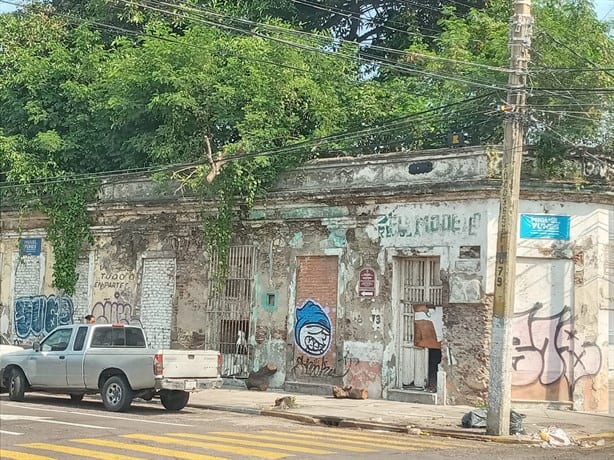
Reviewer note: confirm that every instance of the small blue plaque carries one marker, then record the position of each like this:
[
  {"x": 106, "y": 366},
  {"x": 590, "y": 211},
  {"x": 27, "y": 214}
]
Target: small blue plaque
[
  {"x": 545, "y": 226},
  {"x": 30, "y": 246}
]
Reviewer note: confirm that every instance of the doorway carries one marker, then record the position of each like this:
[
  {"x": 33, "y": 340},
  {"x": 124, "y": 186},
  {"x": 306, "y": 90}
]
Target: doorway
[{"x": 419, "y": 294}]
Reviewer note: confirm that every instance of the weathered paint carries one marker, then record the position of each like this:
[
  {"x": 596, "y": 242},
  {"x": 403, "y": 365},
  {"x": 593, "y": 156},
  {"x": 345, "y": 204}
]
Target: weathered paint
[{"x": 335, "y": 206}]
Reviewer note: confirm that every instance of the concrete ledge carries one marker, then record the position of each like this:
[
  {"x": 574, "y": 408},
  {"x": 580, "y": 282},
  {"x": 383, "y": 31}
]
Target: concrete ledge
[
  {"x": 595, "y": 437},
  {"x": 238, "y": 410},
  {"x": 413, "y": 396},
  {"x": 291, "y": 416},
  {"x": 308, "y": 388}
]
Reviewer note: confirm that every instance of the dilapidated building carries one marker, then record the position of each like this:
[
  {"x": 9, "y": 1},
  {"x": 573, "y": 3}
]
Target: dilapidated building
[{"x": 375, "y": 272}]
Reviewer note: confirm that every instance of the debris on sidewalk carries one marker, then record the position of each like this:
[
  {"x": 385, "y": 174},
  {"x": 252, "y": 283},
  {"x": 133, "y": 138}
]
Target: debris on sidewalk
[
  {"x": 477, "y": 419},
  {"x": 555, "y": 436},
  {"x": 286, "y": 402},
  {"x": 349, "y": 392},
  {"x": 259, "y": 380}
]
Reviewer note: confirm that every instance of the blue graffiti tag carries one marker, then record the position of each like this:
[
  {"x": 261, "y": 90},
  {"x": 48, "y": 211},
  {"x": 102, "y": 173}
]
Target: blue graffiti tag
[
  {"x": 313, "y": 330},
  {"x": 39, "y": 315}
]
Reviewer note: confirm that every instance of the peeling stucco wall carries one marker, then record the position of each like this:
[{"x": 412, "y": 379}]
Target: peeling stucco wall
[{"x": 367, "y": 213}]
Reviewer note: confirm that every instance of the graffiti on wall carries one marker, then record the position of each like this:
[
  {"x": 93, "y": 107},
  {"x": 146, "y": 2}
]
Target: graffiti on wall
[
  {"x": 116, "y": 311},
  {"x": 409, "y": 225},
  {"x": 118, "y": 280},
  {"x": 548, "y": 348},
  {"x": 313, "y": 329},
  {"x": 305, "y": 366},
  {"x": 38, "y": 315}
]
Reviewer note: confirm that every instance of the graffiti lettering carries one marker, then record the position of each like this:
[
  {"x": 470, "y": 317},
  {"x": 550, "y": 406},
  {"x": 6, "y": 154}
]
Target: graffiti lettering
[
  {"x": 38, "y": 315},
  {"x": 110, "y": 285},
  {"x": 120, "y": 280},
  {"x": 319, "y": 367},
  {"x": 116, "y": 311},
  {"x": 549, "y": 348},
  {"x": 408, "y": 225}
]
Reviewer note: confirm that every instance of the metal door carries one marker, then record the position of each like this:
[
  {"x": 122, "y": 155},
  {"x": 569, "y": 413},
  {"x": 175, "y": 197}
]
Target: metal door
[
  {"x": 228, "y": 322},
  {"x": 49, "y": 364},
  {"x": 418, "y": 282}
]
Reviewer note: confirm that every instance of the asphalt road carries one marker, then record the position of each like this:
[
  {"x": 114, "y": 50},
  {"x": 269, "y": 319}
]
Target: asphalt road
[{"x": 51, "y": 427}]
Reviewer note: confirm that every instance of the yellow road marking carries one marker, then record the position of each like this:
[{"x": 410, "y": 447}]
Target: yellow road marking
[
  {"x": 371, "y": 443},
  {"x": 11, "y": 454},
  {"x": 296, "y": 441},
  {"x": 208, "y": 445},
  {"x": 237, "y": 440},
  {"x": 395, "y": 439},
  {"x": 158, "y": 451},
  {"x": 77, "y": 451}
]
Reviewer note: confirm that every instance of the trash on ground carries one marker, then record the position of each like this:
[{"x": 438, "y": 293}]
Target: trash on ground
[
  {"x": 477, "y": 419},
  {"x": 259, "y": 380},
  {"x": 349, "y": 392},
  {"x": 555, "y": 436}
]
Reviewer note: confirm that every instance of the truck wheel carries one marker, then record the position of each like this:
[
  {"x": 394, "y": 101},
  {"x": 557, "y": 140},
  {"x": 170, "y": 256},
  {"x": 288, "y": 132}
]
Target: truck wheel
[
  {"x": 116, "y": 394},
  {"x": 17, "y": 385},
  {"x": 174, "y": 399},
  {"x": 76, "y": 397}
]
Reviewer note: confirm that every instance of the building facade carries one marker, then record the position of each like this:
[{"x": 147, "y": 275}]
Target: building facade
[{"x": 375, "y": 272}]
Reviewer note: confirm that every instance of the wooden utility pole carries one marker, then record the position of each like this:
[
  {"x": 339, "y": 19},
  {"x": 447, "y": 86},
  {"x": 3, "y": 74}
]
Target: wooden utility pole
[{"x": 500, "y": 384}]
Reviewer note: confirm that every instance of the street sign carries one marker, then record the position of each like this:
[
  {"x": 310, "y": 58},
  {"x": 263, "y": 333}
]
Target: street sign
[{"x": 544, "y": 226}]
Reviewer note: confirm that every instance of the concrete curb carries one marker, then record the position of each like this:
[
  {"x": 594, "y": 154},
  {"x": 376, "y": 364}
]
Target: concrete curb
[
  {"x": 367, "y": 425},
  {"x": 596, "y": 436}
]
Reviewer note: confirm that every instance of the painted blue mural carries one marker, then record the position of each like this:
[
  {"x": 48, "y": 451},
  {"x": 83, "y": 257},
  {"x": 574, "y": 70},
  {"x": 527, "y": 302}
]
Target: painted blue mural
[
  {"x": 313, "y": 330},
  {"x": 38, "y": 315}
]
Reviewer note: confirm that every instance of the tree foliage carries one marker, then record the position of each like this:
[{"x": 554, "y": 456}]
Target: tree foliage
[{"x": 233, "y": 92}]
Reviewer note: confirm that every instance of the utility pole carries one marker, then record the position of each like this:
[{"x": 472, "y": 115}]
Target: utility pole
[{"x": 500, "y": 381}]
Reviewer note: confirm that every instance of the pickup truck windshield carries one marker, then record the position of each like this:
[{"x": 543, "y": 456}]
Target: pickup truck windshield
[{"x": 113, "y": 336}]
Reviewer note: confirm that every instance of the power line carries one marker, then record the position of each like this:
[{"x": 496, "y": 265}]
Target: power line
[
  {"x": 574, "y": 52},
  {"x": 197, "y": 9},
  {"x": 387, "y": 63},
  {"x": 350, "y": 135}
]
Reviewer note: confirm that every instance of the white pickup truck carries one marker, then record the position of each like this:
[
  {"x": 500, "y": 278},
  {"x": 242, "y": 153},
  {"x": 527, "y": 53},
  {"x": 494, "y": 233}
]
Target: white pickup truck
[{"x": 112, "y": 360}]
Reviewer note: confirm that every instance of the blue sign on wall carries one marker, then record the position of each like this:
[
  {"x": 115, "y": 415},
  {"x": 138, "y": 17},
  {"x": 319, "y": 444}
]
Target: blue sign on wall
[
  {"x": 544, "y": 226},
  {"x": 31, "y": 246}
]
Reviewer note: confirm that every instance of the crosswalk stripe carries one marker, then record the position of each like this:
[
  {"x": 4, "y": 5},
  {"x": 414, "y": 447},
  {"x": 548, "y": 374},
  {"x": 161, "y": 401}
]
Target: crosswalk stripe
[
  {"x": 414, "y": 441},
  {"x": 309, "y": 442},
  {"x": 371, "y": 443},
  {"x": 236, "y": 440},
  {"x": 11, "y": 454},
  {"x": 158, "y": 451},
  {"x": 76, "y": 451},
  {"x": 208, "y": 445}
]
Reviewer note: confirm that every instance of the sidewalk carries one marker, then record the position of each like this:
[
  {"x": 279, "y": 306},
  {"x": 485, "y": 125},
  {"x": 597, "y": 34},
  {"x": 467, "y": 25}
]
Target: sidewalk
[{"x": 377, "y": 414}]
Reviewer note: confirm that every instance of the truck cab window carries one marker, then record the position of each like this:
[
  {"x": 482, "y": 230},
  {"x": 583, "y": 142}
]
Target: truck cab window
[
  {"x": 57, "y": 341},
  {"x": 80, "y": 339},
  {"x": 102, "y": 338},
  {"x": 134, "y": 337}
]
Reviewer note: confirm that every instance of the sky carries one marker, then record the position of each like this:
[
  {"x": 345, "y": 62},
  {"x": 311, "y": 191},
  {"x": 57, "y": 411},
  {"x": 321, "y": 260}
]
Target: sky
[{"x": 604, "y": 8}]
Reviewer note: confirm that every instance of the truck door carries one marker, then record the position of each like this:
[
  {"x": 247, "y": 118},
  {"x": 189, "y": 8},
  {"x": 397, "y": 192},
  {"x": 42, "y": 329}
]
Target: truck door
[
  {"x": 74, "y": 360},
  {"x": 49, "y": 364}
]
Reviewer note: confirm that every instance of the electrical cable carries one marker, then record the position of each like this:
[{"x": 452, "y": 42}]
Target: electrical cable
[
  {"x": 202, "y": 10},
  {"x": 574, "y": 52},
  {"x": 293, "y": 148}
]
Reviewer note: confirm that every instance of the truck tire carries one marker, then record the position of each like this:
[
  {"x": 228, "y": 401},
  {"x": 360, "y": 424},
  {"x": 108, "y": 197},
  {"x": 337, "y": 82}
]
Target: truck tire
[
  {"x": 174, "y": 400},
  {"x": 116, "y": 394},
  {"x": 17, "y": 385}
]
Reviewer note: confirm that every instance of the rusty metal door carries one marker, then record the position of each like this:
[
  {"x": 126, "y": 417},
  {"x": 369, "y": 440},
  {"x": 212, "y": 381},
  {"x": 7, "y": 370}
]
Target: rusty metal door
[
  {"x": 419, "y": 283},
  {"x": 229, "y": 320}
]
